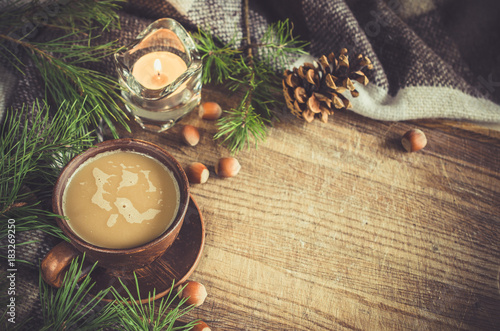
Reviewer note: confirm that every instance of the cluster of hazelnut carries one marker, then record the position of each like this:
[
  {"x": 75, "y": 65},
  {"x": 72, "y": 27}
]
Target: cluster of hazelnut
[
  {"x": 197, "y": 172},
  {"x": 196, "y": 294}
]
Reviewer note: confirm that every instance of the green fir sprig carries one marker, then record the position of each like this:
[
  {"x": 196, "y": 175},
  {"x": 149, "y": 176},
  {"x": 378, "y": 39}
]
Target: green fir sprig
[
  {"x": 152, "y": 315},
  {"x": 254, "y": 76},
  {"x": 31, "y": 157},
  {"x": 216, "y": 56},
  {"x": 70, "y": 307},
  {"x": 62, "y": 60},
  {"x": 69, "y": 15}
]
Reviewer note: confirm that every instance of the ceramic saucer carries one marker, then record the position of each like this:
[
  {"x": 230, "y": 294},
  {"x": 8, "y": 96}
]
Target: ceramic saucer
[{"x": 177, "y": 264}]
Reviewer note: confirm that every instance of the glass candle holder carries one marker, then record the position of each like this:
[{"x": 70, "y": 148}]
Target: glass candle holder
[{"x": 160, "y": 75}]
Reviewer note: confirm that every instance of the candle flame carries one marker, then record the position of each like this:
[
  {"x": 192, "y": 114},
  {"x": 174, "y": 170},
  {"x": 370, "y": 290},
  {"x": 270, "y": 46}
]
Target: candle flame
[{"x": 157, "y": 66}]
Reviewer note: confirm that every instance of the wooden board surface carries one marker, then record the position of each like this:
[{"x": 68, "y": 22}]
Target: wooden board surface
[{"x": 334, "y": 226}]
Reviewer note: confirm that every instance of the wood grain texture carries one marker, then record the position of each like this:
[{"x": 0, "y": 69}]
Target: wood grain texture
[{"x": 334, "y": 226}]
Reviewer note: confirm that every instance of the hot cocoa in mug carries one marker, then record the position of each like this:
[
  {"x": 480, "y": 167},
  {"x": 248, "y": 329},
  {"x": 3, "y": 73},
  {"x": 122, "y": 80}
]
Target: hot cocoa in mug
[
  {"x": 121, "y": 199},
  {"x": 124, "y": 202}
]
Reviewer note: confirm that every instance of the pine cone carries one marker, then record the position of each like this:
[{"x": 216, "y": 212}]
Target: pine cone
[{"x": 314, "y": 90}]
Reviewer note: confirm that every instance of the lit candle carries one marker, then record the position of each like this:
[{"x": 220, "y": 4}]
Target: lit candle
[
  {"x": 148, "y": 70},
  {"x": 156, "y": 70}
]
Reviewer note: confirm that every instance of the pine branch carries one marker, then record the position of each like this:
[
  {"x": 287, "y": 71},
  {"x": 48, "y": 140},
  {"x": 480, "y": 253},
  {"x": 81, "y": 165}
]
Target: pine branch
[
  {"x": 85, "y": 12},
  {"x": 251, "y": 75},
  {"x": 248, "y": 122},
  {"x": 135, "y": 316},
  {"x": 216, "y": 56},
  {"x": 31, "y": 159},
  {"x": 70, "y": 307},
  {"x": 238, "y": 126},
  {"x": 61, "y": 60},
  {"x": 60, "y": 14},
  {"x": 279, "y": 43}
]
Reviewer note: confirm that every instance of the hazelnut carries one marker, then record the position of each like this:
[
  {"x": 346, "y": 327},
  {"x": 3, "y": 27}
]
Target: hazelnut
[
  {"x": 414, "y": 140},
  {"x": 197, "y": 173},
  {"x": 210, "y": 111},
  {"x": 194, "y": 292},
  {"x": 190, "y": 135},
  {"x": 201, "y": 326},
  {"x": 227, "y": 167}
]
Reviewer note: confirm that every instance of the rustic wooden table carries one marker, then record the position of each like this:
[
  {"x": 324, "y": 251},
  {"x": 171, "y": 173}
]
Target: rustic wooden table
[{"x": 334, "y": 226}]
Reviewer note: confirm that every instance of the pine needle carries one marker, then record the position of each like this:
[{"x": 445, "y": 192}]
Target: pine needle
[
  {"x": 70, "y": 307},
  {"x": 239, "y": 126},
  {"x": 253, "y": 76},
  {"x": 279, "y": 43},
  {"x": 135, "y": 316},
  {"x": 31, "y": 159},
  {"x": 62, "y": 60},
  {"x": 216, "y": 56}
]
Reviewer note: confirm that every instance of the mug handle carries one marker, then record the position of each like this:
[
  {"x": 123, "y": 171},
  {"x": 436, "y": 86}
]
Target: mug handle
[{"x": 56, "y": 263}]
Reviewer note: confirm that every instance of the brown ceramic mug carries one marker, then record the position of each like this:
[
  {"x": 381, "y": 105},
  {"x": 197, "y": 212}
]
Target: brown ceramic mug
[{"x": 57, "y": 260}]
